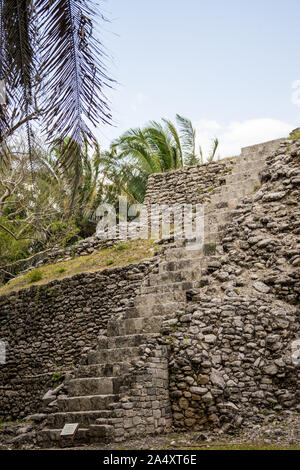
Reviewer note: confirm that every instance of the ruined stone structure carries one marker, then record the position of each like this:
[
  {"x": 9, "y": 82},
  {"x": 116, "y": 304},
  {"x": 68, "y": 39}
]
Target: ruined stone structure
[{"x": 193, "y": 339}]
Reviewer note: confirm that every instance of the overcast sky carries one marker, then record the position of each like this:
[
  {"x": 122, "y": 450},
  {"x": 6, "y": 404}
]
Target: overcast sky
[{"x": 228, "y": 65}]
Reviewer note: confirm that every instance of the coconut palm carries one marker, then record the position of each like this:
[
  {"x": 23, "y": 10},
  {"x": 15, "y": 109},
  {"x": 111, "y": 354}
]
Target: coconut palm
[
  {"x": 156, "y": 148},
  {"x": 53, "y": 68}
]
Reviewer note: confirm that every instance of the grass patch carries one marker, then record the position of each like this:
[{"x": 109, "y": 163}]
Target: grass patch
[
  {"x": 109, "y": 262},
  {"x": 61, "y": 270},
  {"x": 122, "y": 246},
  {"x": 57, "y": 377},
  {"x": 121, "y": 254},
  {"x": 294, "y": 136}
]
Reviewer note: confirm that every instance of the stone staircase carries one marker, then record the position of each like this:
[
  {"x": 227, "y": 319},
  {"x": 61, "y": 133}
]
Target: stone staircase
[
  {"x": 241, "y": 182},
  {"x": 122, "y": 389}
]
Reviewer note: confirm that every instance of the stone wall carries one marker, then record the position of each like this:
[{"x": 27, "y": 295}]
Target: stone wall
[
  {"x": 188, "y": 185},
  {"x": 194, "y": 184},
  {"x": 47, "y": 329},
  {"x": 231, "y": 360}
]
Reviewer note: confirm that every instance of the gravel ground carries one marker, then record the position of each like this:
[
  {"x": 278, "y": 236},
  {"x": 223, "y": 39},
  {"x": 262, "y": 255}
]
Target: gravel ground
[{"x": 281, "y": 432}]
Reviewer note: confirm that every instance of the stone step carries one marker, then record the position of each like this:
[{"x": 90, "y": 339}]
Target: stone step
[
  {"x": 184, "y": 264},
  {"x": 130, "y": 313},
  {"x": 46, "y": 437},
  {"x": 102, "y": 370},
  {"x": 252, "y": 163},
  {"x": 134, "y": 326},
  {"x": 233, "y": 192},
  {"x": 101, "y": 432},
  {"x": 95, "y": 433},
  {"x": 84, "y": 418},
  {"x": 142, "y": 300},
  {"x": 182, "y": 253},
  {"x": 220, "y": 217},
  {"x": 159, "y": 309},
  {"x": 177, "y": 287},
  {"x": 112, "y": 355},
  {"x": 214, "y": 228},
  {"x": 249, "y": 176},
  {"x": 265, "y": 148},
  {"x": 88, "y": 386},
  {"x": 130, "y": 341},
  {"x": 234, "y": 188},
  {"x": 226, "y": 203},
  {"x": 212, "y": 238},
  {"x": 107, "y": 421},
  {"x": 173, "y": 277},
  {"x": 85, "y": 403}
]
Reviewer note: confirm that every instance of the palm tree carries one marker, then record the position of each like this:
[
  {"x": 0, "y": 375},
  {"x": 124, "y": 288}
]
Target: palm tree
[
  {"x": 156, "y": 148},
  {"x": 53, "y": 67}
]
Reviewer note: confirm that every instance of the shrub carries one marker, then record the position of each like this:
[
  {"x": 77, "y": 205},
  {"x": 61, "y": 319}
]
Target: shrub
[
  {"x": 60, "y": 270},
  {"x": 35, "y": 275}
]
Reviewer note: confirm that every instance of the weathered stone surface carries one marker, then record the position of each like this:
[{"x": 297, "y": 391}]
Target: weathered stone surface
[
  {"x": 222, "y": 321},
  {"x": 261, "y": 287}
]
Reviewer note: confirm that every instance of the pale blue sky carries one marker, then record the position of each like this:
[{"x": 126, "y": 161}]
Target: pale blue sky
[{"x": 228, "y": 65}]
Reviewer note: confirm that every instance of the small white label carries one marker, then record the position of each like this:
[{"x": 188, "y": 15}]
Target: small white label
[{"x": 70, "y": 429}]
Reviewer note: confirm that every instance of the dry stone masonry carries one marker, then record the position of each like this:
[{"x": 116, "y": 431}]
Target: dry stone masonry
[
  {"x": 47, "y": 329},
  {"x": 190, "y": 340}
]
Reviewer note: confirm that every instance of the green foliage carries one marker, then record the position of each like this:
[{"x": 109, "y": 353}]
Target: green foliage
[
  {"x": 57, "y": 377},
  {"x": 294, "y": 136},
  {"x": 55, "y": 205},
  {"x": 213, "y": 150},
  {"x": 34, "y": 276},
  {"x": 61, "y": 270},
  {"x": 110, "y": 262},
  {"x": 156, "y": 148}
]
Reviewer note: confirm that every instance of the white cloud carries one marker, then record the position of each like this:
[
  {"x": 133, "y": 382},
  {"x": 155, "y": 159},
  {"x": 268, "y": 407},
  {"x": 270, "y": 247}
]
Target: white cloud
[{"x": 237, "y": 135}]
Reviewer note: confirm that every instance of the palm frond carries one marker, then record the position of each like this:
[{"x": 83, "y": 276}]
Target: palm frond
[
  {"x": 201, "y": 155},
  {"x": 214, "y": 147},
  {"x": 188, "y": 137},
  {"x": 73, "y": 60},
  {"x": 173, "y": 131},
  {"x": 3, "y": 116},
  {"x": 17, "y": 58}
]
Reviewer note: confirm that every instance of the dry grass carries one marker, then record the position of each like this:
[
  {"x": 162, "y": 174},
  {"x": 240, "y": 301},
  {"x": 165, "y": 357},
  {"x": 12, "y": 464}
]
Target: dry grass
[{"x": 108, "y": 258}]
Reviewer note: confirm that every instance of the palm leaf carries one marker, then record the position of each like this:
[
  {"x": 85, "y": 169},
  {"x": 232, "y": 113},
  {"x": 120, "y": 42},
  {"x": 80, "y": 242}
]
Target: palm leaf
[
  {"x": 214, "y": 147},
  {"x": 17, "y": 59},
  {"x": 188, "y": 137},
  {"x": 73, "y": 60},
  {"x": 173, "y": 131}
]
